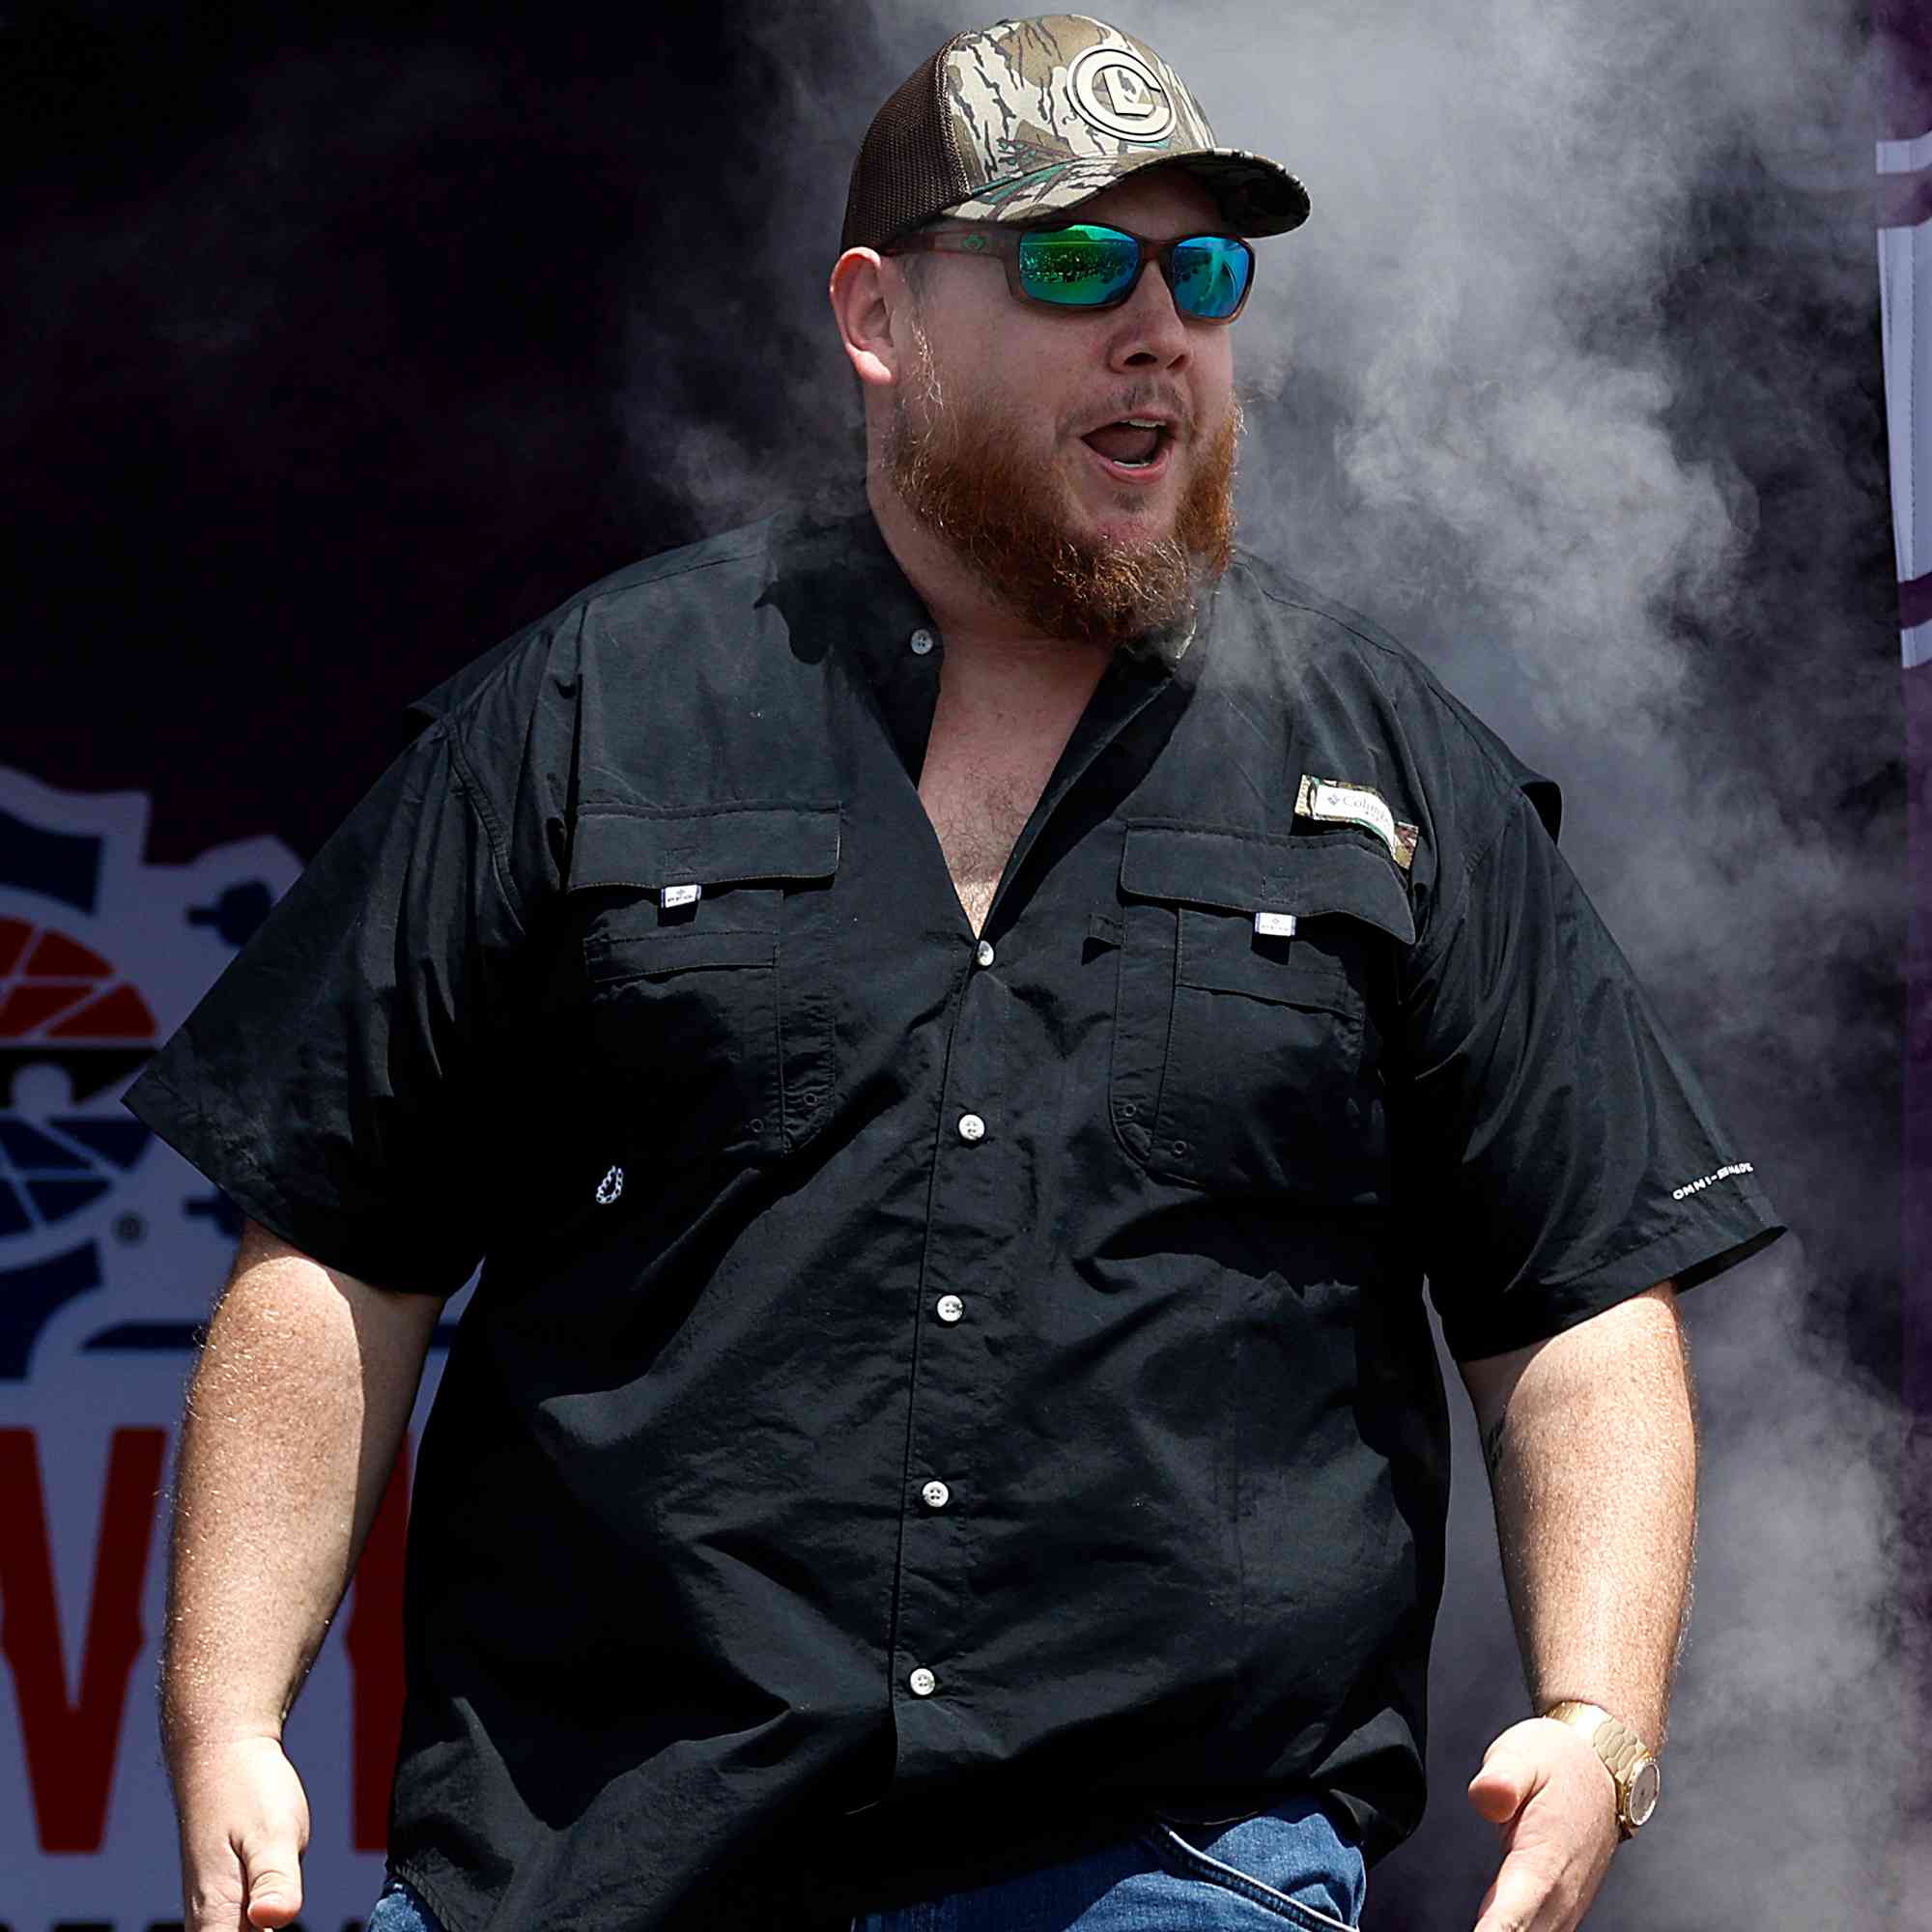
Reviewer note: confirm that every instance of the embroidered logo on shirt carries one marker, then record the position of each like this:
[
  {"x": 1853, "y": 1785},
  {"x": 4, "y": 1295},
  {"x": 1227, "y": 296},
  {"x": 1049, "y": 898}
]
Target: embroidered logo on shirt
[
  {"x": 609, "y": 1187},
  {"x": 1357, "y": 805},
  {"x": 1722, "y": 1174}
]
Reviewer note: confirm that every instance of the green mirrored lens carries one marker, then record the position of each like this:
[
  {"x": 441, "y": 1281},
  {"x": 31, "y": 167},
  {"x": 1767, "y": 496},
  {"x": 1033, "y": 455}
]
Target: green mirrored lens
[
  {"x": 1077, "y": 265},
  {"x": 1210, "y": 275}
]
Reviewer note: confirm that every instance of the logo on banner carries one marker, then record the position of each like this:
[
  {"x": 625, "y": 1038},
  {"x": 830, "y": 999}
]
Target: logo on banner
[
  {"x": 105, "y": 1263},
  {"x": 111, "y": 1249},
  {"x": 100, "y": 955}
]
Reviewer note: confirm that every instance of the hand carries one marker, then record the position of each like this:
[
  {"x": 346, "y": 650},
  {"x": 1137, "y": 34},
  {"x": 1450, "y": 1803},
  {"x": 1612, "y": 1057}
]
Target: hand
[
  {"x": 243, "y": 1828},
  {"x": 1553, "y": 1804}
]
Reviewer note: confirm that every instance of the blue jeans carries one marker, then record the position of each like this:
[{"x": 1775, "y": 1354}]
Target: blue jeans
[
  {"x": 400, "y": 1910},
  {"x": 1290, "y": 1863}
]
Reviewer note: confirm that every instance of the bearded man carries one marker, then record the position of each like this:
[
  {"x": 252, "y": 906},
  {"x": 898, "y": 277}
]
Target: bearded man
[{"x": 957, "y": 1032}]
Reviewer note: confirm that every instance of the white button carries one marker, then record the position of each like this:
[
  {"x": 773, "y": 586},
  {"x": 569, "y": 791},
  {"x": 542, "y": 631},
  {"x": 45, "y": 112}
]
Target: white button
[
  {"x": 921, "y": 642},
  {"x": 972, "y": 1127},
  {"x": 950, "y": 1308},
  {"x": 985, "y": 955},
  {"x": 924, "y": 1682},
  {"x": 936, "y": 1494}
]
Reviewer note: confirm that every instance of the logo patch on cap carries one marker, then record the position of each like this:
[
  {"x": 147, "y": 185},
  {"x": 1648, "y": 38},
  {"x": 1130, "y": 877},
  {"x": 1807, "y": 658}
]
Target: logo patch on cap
[{"x": 1113, "y": 89}]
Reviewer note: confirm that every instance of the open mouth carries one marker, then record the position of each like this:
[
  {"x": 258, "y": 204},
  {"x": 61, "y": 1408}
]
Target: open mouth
[{"x": 1133, "y": 444}]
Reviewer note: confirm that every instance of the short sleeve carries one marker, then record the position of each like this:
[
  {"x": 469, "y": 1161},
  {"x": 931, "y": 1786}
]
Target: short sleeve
[
  {"x": 336, "y": 1080},
  {"x": 1561, "y": 1152}
]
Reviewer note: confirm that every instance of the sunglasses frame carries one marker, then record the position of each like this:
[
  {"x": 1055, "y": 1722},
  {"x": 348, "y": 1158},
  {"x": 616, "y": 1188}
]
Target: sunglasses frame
[{"x": 1001, "y": 238}]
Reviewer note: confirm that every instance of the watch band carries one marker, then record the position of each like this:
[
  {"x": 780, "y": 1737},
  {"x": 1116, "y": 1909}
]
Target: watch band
[{"x": 1628, "y": 1760}]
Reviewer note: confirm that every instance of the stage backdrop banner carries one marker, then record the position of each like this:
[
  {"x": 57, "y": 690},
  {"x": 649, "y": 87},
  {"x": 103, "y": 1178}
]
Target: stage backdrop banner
[{"x": 111, "y": 1251}]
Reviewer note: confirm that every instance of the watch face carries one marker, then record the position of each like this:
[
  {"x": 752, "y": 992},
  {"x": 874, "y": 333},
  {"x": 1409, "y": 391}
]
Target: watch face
[{"x": 1646, "y": 1782}]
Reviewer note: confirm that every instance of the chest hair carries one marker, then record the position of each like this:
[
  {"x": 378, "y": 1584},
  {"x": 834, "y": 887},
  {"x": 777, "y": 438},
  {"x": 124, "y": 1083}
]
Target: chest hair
[
  {"x": 986, "y": 767},
  {"x": 978, "y": 796}
]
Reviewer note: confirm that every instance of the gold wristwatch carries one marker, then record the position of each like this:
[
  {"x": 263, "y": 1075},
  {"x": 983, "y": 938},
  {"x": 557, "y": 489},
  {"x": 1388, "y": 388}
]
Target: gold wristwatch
[{"x": 1625, "y": 1755}]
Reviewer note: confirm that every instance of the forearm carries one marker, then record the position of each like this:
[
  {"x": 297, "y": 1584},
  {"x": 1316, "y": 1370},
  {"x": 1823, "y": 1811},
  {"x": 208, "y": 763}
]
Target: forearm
[
  {"x": 295, "y": 1414},
  {"x": 1593, "y": 1458}
]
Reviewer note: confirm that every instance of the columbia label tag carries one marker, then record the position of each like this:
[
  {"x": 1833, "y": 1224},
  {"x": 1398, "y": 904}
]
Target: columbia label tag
[
  {"x": 1274, "y": 925},
  {"x": 673, "y": 896},
  {"x": 1357, "y": 805}
]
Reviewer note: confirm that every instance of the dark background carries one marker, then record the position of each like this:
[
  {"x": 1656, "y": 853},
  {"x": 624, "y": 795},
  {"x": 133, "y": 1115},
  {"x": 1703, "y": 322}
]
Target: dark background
[
  {"x": 313, "y": 326},
  {"x": 339, "y": 342}
]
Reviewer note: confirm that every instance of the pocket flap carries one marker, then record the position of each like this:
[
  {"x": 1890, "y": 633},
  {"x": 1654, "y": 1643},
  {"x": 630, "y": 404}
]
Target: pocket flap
[
  {"x": 724, "y": 844},
  {"x": 610, "y": 960},
  {"x": 1251, "y": 872}
]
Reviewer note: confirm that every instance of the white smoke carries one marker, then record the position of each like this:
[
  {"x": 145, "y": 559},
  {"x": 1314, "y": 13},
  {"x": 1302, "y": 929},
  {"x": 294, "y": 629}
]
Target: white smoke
[{"x": 1525, "y": 460}]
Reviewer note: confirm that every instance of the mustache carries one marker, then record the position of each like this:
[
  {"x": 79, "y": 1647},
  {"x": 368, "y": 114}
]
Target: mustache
[{"x": 1153, "y": 402}]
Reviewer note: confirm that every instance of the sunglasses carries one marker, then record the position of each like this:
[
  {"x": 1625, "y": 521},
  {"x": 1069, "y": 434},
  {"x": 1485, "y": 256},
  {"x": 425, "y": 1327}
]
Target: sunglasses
[{"x": 1086, "y": 265}]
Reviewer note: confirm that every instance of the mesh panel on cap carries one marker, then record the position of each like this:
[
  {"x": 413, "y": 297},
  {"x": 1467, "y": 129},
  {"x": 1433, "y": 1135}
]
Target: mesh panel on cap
[{"x": 906, "y": 170}]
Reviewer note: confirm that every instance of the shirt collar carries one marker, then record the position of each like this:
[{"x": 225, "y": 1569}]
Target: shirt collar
[
  {"x": 838, "y": 587},
  {"x": 842, "y": 592}
]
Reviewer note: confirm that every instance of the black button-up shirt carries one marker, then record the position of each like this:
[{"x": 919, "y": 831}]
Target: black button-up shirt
[{"x": 917, "y": 1380}]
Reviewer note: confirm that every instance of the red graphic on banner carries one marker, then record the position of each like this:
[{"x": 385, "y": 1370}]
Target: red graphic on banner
[
  {"x": 374, "y": 1644},
  {"x": 59, "y": 976},
  {"x": 71, "y": 1747}
]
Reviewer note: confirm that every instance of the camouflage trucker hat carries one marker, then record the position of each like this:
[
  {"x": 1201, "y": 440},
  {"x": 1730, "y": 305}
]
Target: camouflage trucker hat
[{"x": 1025, "y": 118}]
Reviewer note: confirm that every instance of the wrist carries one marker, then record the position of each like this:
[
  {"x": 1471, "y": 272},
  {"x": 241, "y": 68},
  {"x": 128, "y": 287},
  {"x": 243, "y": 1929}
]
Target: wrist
[
  {"x": 1633, "y": 1767},
  {"x": 191, "y": 1739}
]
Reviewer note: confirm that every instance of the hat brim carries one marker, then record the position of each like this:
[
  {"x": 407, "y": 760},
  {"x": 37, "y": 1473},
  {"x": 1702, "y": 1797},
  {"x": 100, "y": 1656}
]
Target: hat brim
[{"x": 1257, "y": 196}]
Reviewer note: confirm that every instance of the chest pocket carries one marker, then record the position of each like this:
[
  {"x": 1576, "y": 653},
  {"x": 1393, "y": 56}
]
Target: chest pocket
[
  {"x": 1249, "y": 1061},
  {"x": 706, "y": 1015}
]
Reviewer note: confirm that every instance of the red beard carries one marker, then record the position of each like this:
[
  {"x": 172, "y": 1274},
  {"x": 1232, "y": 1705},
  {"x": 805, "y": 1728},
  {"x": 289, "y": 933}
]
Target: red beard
[{"x": 962, "y": 475}]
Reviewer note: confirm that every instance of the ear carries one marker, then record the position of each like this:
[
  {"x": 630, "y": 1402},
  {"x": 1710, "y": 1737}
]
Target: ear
[{"x": 861, "y": 306}]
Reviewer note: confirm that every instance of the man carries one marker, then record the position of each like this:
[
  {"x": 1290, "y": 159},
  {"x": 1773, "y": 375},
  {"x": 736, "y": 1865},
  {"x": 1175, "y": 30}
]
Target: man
[{"x": 957, "y": 1031}]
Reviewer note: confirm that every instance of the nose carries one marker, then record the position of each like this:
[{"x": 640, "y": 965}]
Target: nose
[{"x": 1148, "y": 332}]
